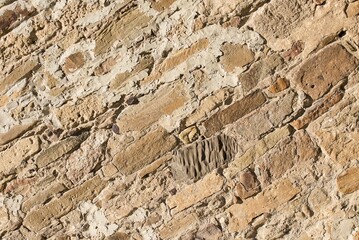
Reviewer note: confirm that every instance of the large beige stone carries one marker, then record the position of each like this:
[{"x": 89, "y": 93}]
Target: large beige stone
[
  {"x": 42, "y": 196},
  {"x": 325, "y": 69},
  {"x": 235, "y": 55},
  {"x": 352, "y": 9},
  {"x": 177, "y": 58},
  {"x": 270, "y": 199},
  {"x": 234, "y": 112},
  {"x": 165, "y": 101},
  {"x": 144, "y": 151},
  {"x": 22, "y": 71},
  {"x": 40, "y": 217},
  {"x": 178, "y": 225},
  {"x": 161, "y": 5},
  {"x": 127, "y": 28},
  {"x": 258, "y": 71},
  {"x": 15, "y": 132},
  {"x": 196, "y": 192},
  {"x": 72, "y": 114},
  {"x": 348, "y": 182},
  {"x": 59, "y": 149},
  {"x": 73, "y": 62},
  {"x": 12, "y": 157}
]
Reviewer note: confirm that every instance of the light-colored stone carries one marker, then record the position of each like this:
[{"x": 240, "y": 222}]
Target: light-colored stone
[
  {"x": 12, "y": 157},
  {"x": 234, "y": 112},
  {"x": 59, "y": 149},
  {"x": 73, "y": 62},
  {"x": 242, "y": 214},
  {"x": 325, "y": 69},
  {"x": 188, "y": 135},
  {"x": 72, "y": 114},
  {"x": 161, "y": 5},
  {"x": 195, "y": 193},
  {"x": 164, "y": 102},
  {"x": 258, "y": 71},
  {"x": 42, "y": 196},
  {"x": 279, "y": 85},
  {"x": 150, "y": 168},
  {"x": 178, "y": 225},
  {"x": 352, "y": 9},
  {"x": 15, "y": 132},
  {"x": 22, "y": 71},
  {"x": 144, "y": 151},
  {"x": 38, "y": 218},
  {"x": 176, "y": 59},
  {"x": 348, "y": 182},
  {"x": 235, "y": 55},
  {"x": 126, "y": 29}
]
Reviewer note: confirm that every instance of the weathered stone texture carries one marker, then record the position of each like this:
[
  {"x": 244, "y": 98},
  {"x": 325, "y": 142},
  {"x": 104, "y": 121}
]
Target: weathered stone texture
[
  {"x": 242, "y": 214},
  {"x": 12, "y": 157},
  {"x": 235, "y": 55},
  {"x": 324, "y": 70},
  {"x": 144, "y": 151},
  {"x": 192, "y": 194}
]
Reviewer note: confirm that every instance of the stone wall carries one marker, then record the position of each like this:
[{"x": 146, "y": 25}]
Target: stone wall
[{"x": 176, "y": 119}]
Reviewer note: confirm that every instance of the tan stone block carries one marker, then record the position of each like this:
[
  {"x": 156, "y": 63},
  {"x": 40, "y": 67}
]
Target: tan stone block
[
  {"x": 15, "y": 132},
  {"x": 196, "y": 192},
  {"x": 242, "y": 214},
  {"x": 18, "y": 73},
  {"x": 234, "y": 112},
  {"x": 71, "y": 115},
  {"x": 144, "y": 151},
  {"x": 150, "y": 168},
  {"x": 352, "y": 9},
  {"x": 348, "y": 182},
  {"x": 165, "y": 101},
  {"x": 258, "y": 71},
  {"x": 325, "y": 69},
  {"x": 235, "y": 55},
  {"x": 12, "y": 157},
  {"x": 279, "y": 85},
  {"x": 38, "y": 218},
  {"x": 207, "y": 105},
  {"x": 336, "y": 131},
  {"x": 248, "y": 185},
  {"x": 73, "y": 62},
  {"x": 42, "y": 196},
  {"x": 319, "y": 108},
  {"x": 258, "y": 150},
  {"x": 128, "y": 27},
  {"x": 145, "y": 62},
  {"x": 177, "y": 226},
  {"x": 176, "y": 59},
  {"x": 161, "y": 5},
  {"x": 105, "y": 67},
  {"x": 59, "y": 149}
]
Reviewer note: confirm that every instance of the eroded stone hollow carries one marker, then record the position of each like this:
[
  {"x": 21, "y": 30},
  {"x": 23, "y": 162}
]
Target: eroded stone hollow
[{"x": 178, "y": 119}]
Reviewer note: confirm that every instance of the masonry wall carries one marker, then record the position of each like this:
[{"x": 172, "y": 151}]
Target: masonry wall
[{"x": 176, "y": 119}]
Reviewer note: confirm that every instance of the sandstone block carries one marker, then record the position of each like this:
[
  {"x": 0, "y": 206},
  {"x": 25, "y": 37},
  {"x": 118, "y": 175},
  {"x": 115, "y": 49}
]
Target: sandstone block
[
  {"x": 352, "y": 9},
  {"x": 18, "y": 73},
  {"x": 15, "y": 132},
  {"x": 144, "y": 151},
  {"x": 38, "y": 218},
  {"x": 195, "y": 193},
  {"x": 248, "y": 185},
  {"x": 270, "y": 199},
  {"x": 165, "y": 101},
  {"x": 12, "y": 157},
  {"x": 73, "y": 62},
  {"x": 324, "y": 70},
  {"x": 73, "y": 114},
  {"x": 178, "y": 225},
  {"x": 279, "y": 85},
  {"x": 234, "y": 112},
  {"x": 161, "y": 5},
  {"x": 348, "y": 182},
  {"x": 59, "y": 149},
  {"x": 259, "y": 70},
  {"x": 235, "y": 55},
  {"x": 319, "y": 108}
]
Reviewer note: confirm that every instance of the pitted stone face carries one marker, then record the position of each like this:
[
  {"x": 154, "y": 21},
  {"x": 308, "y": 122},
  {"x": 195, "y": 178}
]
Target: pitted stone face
[{"x": 199, "y": 158}]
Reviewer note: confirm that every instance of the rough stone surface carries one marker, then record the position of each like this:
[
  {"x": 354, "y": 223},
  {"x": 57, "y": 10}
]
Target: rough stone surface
[
  {"x": 324, "y": 70},
  {"x": 178, "y": 119}
]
